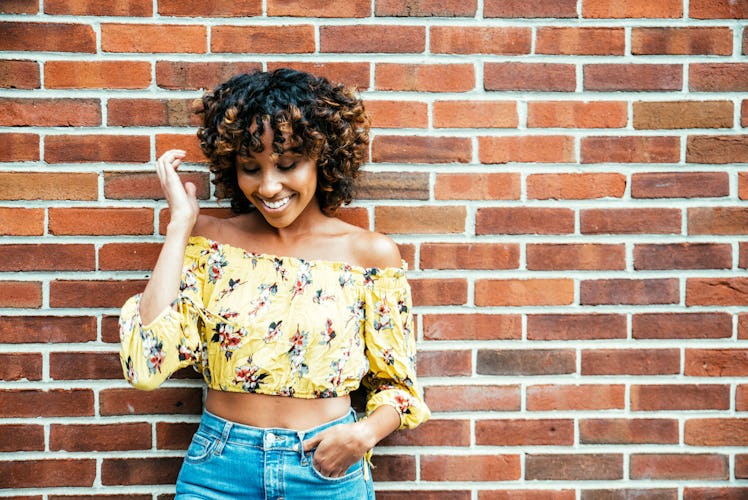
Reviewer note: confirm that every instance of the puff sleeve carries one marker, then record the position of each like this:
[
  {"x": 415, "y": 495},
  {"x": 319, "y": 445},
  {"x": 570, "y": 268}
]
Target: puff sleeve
[
  {"x": 151, "y": 353},
  {"x": 391, "y": 350}
]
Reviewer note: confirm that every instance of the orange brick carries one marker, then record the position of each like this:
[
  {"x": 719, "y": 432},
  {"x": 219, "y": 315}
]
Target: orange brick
[
  {"x": 355, "y": 74},
  {"x": 48, "y": 186},
  {"x": 145, "y": 185},
  {"x": 215, "y": 8},
  {"x": 530, "y": 149},
  {"x": 682, "y": 41},
  {"x": 19, "y": 7},
  {"x": 672, "y": 466},
  {"x": 422, "y": 220},
  {"x": 415, "y": 149},
  {"x": 718, "y": 77},
  {"x": 719, "y": 149},
  {"x": 529, "y": 9},
  {"x": 470, "y": 468},
  {"x": 131, "y": 8},
  {"x": 683, "y": 114},
  {"x": 96, "y": 148},
  {"x": 100, "y": 221},
  {"x": 579, "y": 256},
  {"x": 575, "y": 397},
  {"x": 21, "y": 221},
  {"x": 575, "y": 326},
  {"x": 524, "y": 220},
  {"x": 630, "y": 149},
  {"x": 50, "y": 112},
  {"x": 717, "y": 220},
  {"x": 471, "y": 326},
  {"x": 152, "y": 38},
  {"x": 439, "y": 292},
  {"x": 19, "y": 75},
  {"x": 717, "y": 9},
  {"x": 716, "y": 362},
  {"x": 716, "y": 432},
  {"x": 475, "y": 114},
  {"x": 525, "y": 432},
  {"x": 469, "y": 256},
  {"x": 633, "y": 77},
  {"x": 425, "y": 8},
  {"x": 313, "y": 8},
  {"x": 576, "y": 114},
  {"x": 628, "y": 431},
  {"x": 524, "y": 292},
  {"x": 629, "y": 291},
  {"x": 434, "y": 432},
  {"x": 480, "y": 40},
  {"x": 716, "y": 291},
  {"x": 25, "y": 294},
  {"x": 473, "y": 398},
  {"x": 151, "y": 112},
  {"x": 97, "y": 74},
  {"x": 296, "y": 39},
  {"x": 398, "y": 114},
  {"x": 424, "y": 77},
  {"x": 575, "y": 186},
  {"x": 47, "y": 37},
  {"x": 632, "y": 8},
  {"x": 681, "y": 325},
  {"x": 128, "y": 256},
  {"x": 499, "y": 186},
  {"x": 19, "y": 147},
  {"x": 368, "y": 38},
  {"x": 580, "y": 41},
  {"x": 630, "y": 221},
  {"x": 550, "y": 77},
  {"x": 199, "y": 75},
  {"x": 680, "y": 397}
]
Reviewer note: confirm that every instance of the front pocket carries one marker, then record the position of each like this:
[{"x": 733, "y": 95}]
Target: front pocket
[
  {"x": 200, "y": 450},
  {"x": 354, "y": 471}
]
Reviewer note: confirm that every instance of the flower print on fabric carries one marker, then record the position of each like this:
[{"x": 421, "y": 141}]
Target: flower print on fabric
[
  {"x": 263, "y": 300},
  {"x": 403, "y": 403},
  {"x": 228, "y": 337},
  {"x": 328, "y": 334},
  {"x": 153, "y": 350},
  {"x": 233, "y": 284},
  {"x": 185, "y": 353},
  {"x": 346, "y": 278},
  {"x": 357, "y": 310},
  {"x": 249, "y": 376},
  {"x": 279, "y": 268},
  {"x": 296, "y": 353},
  {"x": 382, "y": 321},
  {"x": 216, "y": 263},
  {"x": 273, "y": 331},
  {"x": 131, "y": 374},
  {"x": 303, "y": 279},
  {"x": 320, "y": 297}
]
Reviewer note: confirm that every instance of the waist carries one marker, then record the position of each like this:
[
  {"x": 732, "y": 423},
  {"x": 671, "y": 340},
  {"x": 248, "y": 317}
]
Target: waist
[{"x": 263, "y": 411}]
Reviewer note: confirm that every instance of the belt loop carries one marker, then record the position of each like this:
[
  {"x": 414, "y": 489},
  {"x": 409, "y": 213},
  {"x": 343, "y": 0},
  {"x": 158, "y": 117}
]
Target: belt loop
[
  {"x": 224, "y": 437},
  {"x": 302, "y": 455}
]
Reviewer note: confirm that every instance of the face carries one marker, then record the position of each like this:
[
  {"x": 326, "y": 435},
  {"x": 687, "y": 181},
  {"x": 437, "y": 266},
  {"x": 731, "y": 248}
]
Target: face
[{"x": 281, "y": 187}]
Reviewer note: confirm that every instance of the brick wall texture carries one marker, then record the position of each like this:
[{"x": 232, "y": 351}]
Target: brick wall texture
[{"x": 567, "y": 179}]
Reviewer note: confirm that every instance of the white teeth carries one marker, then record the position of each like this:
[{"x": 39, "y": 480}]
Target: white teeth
[{"x": 276, "y": 204}]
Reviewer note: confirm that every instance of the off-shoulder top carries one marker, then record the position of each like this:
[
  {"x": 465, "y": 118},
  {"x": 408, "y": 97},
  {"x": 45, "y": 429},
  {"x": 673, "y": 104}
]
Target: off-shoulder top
[{"x": 283, "y": 326}]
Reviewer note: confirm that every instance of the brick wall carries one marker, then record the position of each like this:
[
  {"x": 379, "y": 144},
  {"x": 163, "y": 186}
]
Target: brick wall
[{"x": 565, "y": 178}]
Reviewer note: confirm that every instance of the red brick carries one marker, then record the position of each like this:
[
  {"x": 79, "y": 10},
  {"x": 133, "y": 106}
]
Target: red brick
[
  {"x": 20, "y": 366},
  {"x": 742, "y": 326},
  {"x": 355, "y": 74},
  {"x": 19, "y": 147},
  {"x": 186, "y": 142},
  {"x": 19, "y": 75},
  {"x": 435, "y": 432},
  {"x": 47, "y": 37},
  {"x": 630, "y": 361},
  {"x": 682, "y": 41},
  {"x": 633, "y": 77},
  {"x": 744, "y": 109},
  {"x": 526, "y": 494},
  {"x": 145, "y": 185},
  {"x": 717, "y": 220},
  {"x": 630, "y": 221},
  {"x": 47, "y": 473},
  {"x": 743, "y": 185},
  {"x": 575, "y": 397},
  {"x": 172, "y": 400},
  {"x": 629, "y": 291},
  {"x": 21, "y": 437},
  {"x": 439, "y": 292},
  {"x": 96, "y": 148},
  {"x": 716, "y": 291},
  {"x": 470, "y": 468},
  {"x": 19, "y": 7},
  {"x": 693, "y": 493},
  {"x": 25, "y": 294},
  {"x": 680, "y": 184},
  {"x": 131, "y": 8},
  {"x": 580, "y": 41},
  {"x": 524, "y": 220},
  {"x": 531, "y": 149},
  {"x": 128, "y": 256},
  {"x": 174, "y": 435},
  {"x": 47, "y": 329},
  {"x": 296, "y": 39},
  {"x": 410, "y": 149},
  {"x": 683, "y": 256},
  {"x": 679, "y": 466},
  {"x": 424, "y": 495},
  {"x": 50, "y": 112},
  {"x": 548, "y": 77},
  {"x": 421, "y": 220},
  {"x": 480, "y": 40},
  {"x": 84, "y": 366},
  {"x": 95, "y": 293},
  {"x": 468, "y": 256},
  {"x": 632, "y": 8},
  {"x": 471, "y": 326},
  {"x": 47, "y": 257},
  {"x": 741, "y": 467},
  {"x": 575, "y": 326},
  {"x": 100, "y": 221},
  {"x": 477, "y": 186},
  {"x": 199, "y": 75},
  {"x": 372, "y": 38},
  {"x": 391, "y": 186},
  {"x": 718, "y": 77},
  {"x": 97, "y": 74},
  {"x": 393, "y": 468},
  {"x": 472, "y": 398},
  {"x": 151, "y": 113},
  {"x": 475, "y": 114},
  {"x": 32, "y": 403},
  {"x": 683, "y": 114},
  {"x": 681, "y": 325},
  {"x": 147, "y": 38},
  {"x": 529, "y": 9},
  {"x": 717, "y": 9},
  {"x": 628, "y": 431},
  {"x": 313, "y": 8},
  {"x": 717, "y": 149},
  {"x": 716, "y": 362},
  {"x": 525, "y": 432},
  {"x": 424, "y": 77},
  {"x": 48, "y": 186},
  {"x": 445, "y": 363},
  {"x": 716, "y": 432},
  {"x": 425, "y": 8},
  {"x": 525, "y": 362},
  {"x": 215, "y": 8},
  {"x": 630, "y": 149},
  {"x": 584, "y": 256},
  {"x": 524, "y": 292},
  {"x": 101, "y": 437},
  {"x": 21, "y": 221},
  {"x": 398, "y": 114},
  {"x": 574, "y": 467},
  {"x": 127, "y": 471},
  {"x": 576, "y": 114},
  {"x": 577, "y": 186},
  {"x": 679, "y": 397}
]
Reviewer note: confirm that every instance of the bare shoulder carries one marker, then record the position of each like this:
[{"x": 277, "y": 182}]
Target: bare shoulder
[
  {"x": 373, "y": 249},
  {"x": 207, "y": 226}
]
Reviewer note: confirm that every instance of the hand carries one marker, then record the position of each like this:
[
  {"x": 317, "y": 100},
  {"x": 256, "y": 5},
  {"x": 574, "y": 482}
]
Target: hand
[
  {"x": 339, "y": 447},
  {"x": 182, "y": 199}
]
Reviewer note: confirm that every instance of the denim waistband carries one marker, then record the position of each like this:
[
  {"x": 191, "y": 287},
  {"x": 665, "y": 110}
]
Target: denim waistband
[{"x": 270, "y": 438}]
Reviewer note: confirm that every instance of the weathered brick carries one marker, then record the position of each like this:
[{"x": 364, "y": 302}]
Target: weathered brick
[
  {"x": 95, "y": 293},
  {"x": 681, "y": 325},
  {"x": 683, "y": 256},
  {"x": 215, "y": 8},
  {"x": 663, "y": 397},
  {"x": 19, "y": 147},
  {"x": 313, "y": 8},
  {"x": 19, "y": 7},
  {"x": 128, "y": 256},
  {"x": 296, "y": 39},
  {"x": 47, "y": 37},
  {"x": 131, "y": 8},
  {"x": 435, "y": 432},
  {"x": 630, "y": 221},
  {"x": 679, "y": 466},
  {"x": 727, "y": 493},
  {"x": 628, "y": 431},
  {"x": 84, "y": 366},
  {"x": 19, "y": 366},
  {"x": 470, "y": 468},
  {"x": 151, "y": 112},
  {"x": 145, "y": 185},
  {"x": 473, "y": 398},
  {"x": 717, "y": 9},
  {"x": 21, "y": 437},
  {"x": 32, "y": 403},
  {"x": 629, "y": 291},
  {"x": 471, "y": 326},
  {"x": 630, "y": 361},
  {"x": 575, "y": 397},
  {"x": 580, "y": 41},
  {"x": 574, "y": 467},
  {"x": 409, "y": 149},
  {"x": 372, "y": 38},
  {"x": 480, "y": 40},
  {"x": 524, "y": 220},
  {"x": 682, "y": 41},
  {"x": 48, "y": 186},
  {"x": 47, "y": 329},
  {"x": 575, "y": 326},
  {"x": 47, "y": 473},
  {"x": 50, "y": 112},
  {"x": 717, "y": 149},
  {"x": 525, "y": 362},
  {"x": 630, "y": 149},
  {"x": 632, "y": 8},
  {"x": 548, "y": 77},
  {"x": 716, "y": 362},
  {"x": 524, "y": 494},
  {"x": 576, "y": 114},
  {"x": 424, "y": 77},
  {"x": 171, "y": 400},
  {"x": 524, "y": 292},
  {"x": 147, "y": 38},
  {"x": 680, "y": 184},
  {"x": 717, "y": 220},
  {"x": 718, "y": 77},
  {"x": 716, "y": 432},
  {"x": 425, "y": 8},
  {"x": 23, "y": 294},
  {"x": 717, "y": 291},
  {"x": 127, "y": 471},
  {"x": 97, "y": 74},
  {"x": 525, "y": 432},
  {"x": 633, "y": 77},
  {"x": 392, "y": 186},
  {"x": 19, "y": 74},
  {"x": 449, "y": 363},
  {"x": 529, "y": 8},
  {"x": 397, "y": 114},
  {"x": 585, "y": 256},
  {"x": 477, "y": 186},
  {"x": 100, "y": 437},
  {"x": 475, "y": 114},
  {"x": 683, "y": 114},
  {"x": 423, "y": 219},
  {"x": 174, "y": 435},
  {"x": 47, "y": 257},
  {"x": 199, "y": 75},
  {"x": 394, "y": 468},
  {"x": 541, "y": 149},
  {"x": 100, "y": 221},
  {"x": 354, "y": 73},
  {"x": 21, "y": 221},
  {"x": 576, "y": 186},
  {"x": 468, "y": 256}
]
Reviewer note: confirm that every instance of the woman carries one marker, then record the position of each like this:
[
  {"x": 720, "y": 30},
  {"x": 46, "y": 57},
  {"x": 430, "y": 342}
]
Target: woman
[{"x": 284, "y": 308}]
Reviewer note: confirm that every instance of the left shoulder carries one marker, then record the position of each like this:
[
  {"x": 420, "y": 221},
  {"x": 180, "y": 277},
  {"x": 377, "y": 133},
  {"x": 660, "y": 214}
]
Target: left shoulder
[{"x": 372, "y": 249}]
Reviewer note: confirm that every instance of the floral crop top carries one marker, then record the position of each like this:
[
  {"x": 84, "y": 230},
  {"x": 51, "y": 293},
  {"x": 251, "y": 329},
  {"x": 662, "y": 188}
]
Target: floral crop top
[{"x": 281, "y": 326}]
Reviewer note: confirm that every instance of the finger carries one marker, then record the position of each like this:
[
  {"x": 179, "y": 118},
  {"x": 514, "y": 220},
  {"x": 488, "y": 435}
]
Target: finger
[
  {"x": 311, "y": 443},
  {"x": 190, "y": 189}
]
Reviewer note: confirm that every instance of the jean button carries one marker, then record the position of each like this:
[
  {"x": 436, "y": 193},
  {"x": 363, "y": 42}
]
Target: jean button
[{"x": 270, "y": 438}]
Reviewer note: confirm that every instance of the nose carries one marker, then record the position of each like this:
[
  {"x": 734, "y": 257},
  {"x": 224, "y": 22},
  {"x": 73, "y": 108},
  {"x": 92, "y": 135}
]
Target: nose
[{"x": 270, "y": 183}]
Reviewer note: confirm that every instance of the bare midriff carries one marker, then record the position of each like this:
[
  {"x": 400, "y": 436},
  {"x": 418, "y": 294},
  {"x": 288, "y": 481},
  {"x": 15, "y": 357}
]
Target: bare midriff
[{"x": 260, "y": 410}]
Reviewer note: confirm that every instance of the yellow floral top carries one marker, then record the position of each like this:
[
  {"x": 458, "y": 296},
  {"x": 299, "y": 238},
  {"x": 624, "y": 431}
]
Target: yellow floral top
[{"x": 281, "y": 326}]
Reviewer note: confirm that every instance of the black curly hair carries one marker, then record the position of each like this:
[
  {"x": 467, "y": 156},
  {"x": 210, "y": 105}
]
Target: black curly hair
[{"x": 326, "y": 122}]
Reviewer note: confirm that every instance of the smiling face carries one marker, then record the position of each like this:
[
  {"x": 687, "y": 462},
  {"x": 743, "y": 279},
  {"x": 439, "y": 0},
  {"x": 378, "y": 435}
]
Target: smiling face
[{"x": 281, "y": 187}]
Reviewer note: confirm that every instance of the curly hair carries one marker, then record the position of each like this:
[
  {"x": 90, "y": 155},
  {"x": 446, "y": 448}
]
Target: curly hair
[{"x": 326, "y": 122}]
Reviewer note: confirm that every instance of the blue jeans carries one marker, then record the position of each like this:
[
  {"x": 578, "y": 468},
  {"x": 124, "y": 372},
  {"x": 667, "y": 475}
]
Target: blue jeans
[{"x": 230, "y": 461}]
